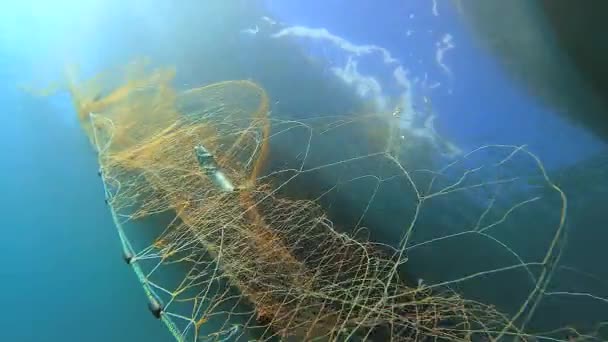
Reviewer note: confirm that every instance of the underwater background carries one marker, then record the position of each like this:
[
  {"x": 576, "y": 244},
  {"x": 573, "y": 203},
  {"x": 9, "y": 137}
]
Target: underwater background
[{"x": 63, "y": 279}]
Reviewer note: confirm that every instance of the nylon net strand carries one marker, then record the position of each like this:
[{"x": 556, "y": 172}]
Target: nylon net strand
[{"x": 246, "y": 260}]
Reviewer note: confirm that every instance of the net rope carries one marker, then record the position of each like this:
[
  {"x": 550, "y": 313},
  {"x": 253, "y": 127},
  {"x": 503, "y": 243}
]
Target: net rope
[{"x": 225, "y": 252}]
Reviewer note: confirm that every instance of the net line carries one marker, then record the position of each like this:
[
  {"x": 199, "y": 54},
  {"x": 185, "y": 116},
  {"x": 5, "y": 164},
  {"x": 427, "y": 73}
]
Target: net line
[{"x": 276, "y": 264}]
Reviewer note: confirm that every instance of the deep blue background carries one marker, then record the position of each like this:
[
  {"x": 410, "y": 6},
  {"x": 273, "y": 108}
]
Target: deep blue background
[{"x": 485, "y": 106}]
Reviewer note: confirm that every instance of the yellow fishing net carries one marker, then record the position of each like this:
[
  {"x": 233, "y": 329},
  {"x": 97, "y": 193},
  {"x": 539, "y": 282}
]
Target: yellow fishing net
[{"x": 225, "y": 252}]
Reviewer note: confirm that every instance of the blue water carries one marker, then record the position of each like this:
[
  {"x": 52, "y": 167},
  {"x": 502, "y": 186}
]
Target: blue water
[{"x": 63, "y": 278}]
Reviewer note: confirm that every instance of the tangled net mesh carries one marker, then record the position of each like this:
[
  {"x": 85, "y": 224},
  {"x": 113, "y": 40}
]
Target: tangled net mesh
[{"x": 223, "y": 251}]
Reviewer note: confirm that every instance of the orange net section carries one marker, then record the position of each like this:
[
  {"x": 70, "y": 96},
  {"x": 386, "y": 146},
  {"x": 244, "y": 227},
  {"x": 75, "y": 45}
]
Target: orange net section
[{"x": 230, "y": 255}]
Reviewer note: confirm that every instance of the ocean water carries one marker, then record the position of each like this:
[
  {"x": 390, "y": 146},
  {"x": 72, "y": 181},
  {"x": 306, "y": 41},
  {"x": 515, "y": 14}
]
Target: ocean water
[{"x": 63, "y": 277}]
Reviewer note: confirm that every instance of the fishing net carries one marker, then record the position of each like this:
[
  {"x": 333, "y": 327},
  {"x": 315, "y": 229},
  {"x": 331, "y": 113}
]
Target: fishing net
[{"x": 227, "y": 250}]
